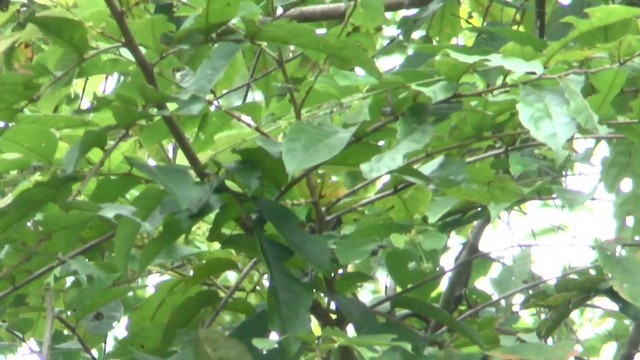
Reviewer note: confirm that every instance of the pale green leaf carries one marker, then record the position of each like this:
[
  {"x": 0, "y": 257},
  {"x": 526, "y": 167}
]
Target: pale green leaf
[
  {"x": 395, "y": 158},
  {"x": 307, "y": 144},
  {"x": 545, "y": 113}
]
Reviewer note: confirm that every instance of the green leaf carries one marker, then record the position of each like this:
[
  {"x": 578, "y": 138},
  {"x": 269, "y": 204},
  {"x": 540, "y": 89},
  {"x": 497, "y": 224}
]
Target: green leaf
[
  {"x": 148, "y": 321},
  {"x": 289, "y": 299},
  {"x": 598, "y": 17},
  {"x": 68, "y": 33},
  {"x": 438, "y": 92},
  {"x": 305, "y": 37},
  {"x": 578, "y": 107},
  {"x": 404, "y": 266},
  {"x": 546, "y": 115},
  {"x": 171, "y": 232},
  {"x": 24, "y": 206},
  {"x": 252, "y": 327},
  {"x": 608, "y": 84},
  {"x": 621, "y": 264},
  {"x": 178, "y": 182},
  {"x": 534, "y": 351},
  {"x": 90, "y": 139},
  {"x": 32, "y": 143},
  {"x": 102, "y": 321},
  {"x": 148, "y": 31},
  {"x": 210, "y": 71},
  {"x": 123, "y": 241},
  {"x": 53, "y": 121},
  {"x": 433, "y": 312},
  {"x": 394, "y": 158},
  {"x": 212, "y": 344},
  {"x": 308, "y": 144},
  {"x": 515, "y": 65},
  {"x": 369, "y": 14},
  {"x": 519, "y": 37},
  {"x": 211, "y": 16},
  {"x": 312, "y": 248}
]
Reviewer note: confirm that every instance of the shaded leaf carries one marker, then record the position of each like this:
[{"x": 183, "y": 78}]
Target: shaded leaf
[
  {"x": 305, "y": 37},
  {"x": 435, "y": 313},
  {"x": 313, "y": 248}
]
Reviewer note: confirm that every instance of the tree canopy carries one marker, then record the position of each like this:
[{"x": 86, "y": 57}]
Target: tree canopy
[{"x": 281, "y": 179}]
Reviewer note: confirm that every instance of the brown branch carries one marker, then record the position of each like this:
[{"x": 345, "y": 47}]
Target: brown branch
[
  {"x": 493, "y": 153},
  {"x": 147, "y": 71},
  {"x": 633, "y": 343},
  {"x": 59, "y": 262},
  {"x": 227, "y": 297},
  {"x": 316, "y": 13},
  {"x": 520, "y": 289},
  {"x": 99, "y": 165},
  {"x": 72, "y": 329},
  {"x": 460, "y": 277}
]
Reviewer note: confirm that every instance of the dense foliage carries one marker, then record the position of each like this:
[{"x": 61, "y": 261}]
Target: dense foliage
[{"x": 281, "y": 179}]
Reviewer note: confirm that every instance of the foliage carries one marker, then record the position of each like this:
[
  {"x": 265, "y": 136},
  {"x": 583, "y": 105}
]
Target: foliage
[{"x": 284, "y": 179}]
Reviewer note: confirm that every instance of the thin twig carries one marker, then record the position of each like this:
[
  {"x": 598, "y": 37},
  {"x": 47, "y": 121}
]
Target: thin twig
[
  {"x": 99, "y": 165},
  {"x": 49, "y": 321},
  {"x": 54, "y": 265},
  {"x": 24, "y": 341},
  {"x": 234, "y": 288},
  {"x": 72, "y": 329},
  {"x": 520, "y": 289}
]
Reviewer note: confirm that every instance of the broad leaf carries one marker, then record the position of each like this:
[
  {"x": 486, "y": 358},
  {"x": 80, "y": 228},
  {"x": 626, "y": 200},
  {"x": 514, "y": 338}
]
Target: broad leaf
[
  {"x": 308, "y": 144},
  {"x": 314, "y": 249},
  {"x": 545, "y": 113}
]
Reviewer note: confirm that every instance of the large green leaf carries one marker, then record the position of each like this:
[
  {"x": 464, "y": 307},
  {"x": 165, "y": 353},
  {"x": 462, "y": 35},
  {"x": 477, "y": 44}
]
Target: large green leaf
[
  {"x": 313, "y": 248},
  {"x": 394, "y": 158},
  {"x": 90, "y": 139},
  {"x": 534, "y": 351},
  {"x": 124, "y": 239},
  {"x": 177, "y": 181},
  {"x": 434, "y": 313},
  {"x": 306, "y": 38},
  {"x": 32, "y": 143},
  {"x": 608, "y": 84},
  {"x": 308, "y": 144},
  {"x": 289, "y": 299},
  {"x": 24, "y": 206},
  {"x": 545, "y": 113},
  {"x": 622, "y": 267},
  {"x": 210, "y": 71},
  {"x": 68, "y": 33},
  {"x": 598, "y": 17}
]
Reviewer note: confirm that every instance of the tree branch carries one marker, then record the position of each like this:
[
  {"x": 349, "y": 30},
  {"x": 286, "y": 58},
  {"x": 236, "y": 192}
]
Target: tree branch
[
  {"x": 316, "y": 13},
  {"x": 147, "y": 71},
  {"x": 47, "y": 340},
  {"x": 227, "y": 297},
  {"x": 633, "y": 343},
  {"x": 460, "y": 276},
  {"x": 59, "y": 262},
  {"x": 74, "y": 331},
  {"x": 520, "y": 289}
]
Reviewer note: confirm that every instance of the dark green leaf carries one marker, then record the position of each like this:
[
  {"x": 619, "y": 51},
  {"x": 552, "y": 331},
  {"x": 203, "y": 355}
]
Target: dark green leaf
[{"x": 314, "y": 249}]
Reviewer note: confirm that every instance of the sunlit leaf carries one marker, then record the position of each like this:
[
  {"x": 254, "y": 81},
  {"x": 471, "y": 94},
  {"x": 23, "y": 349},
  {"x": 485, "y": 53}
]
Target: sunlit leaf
[
  {"x": 546, "y": 115},
  {"x": 308, "y": 144}
]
